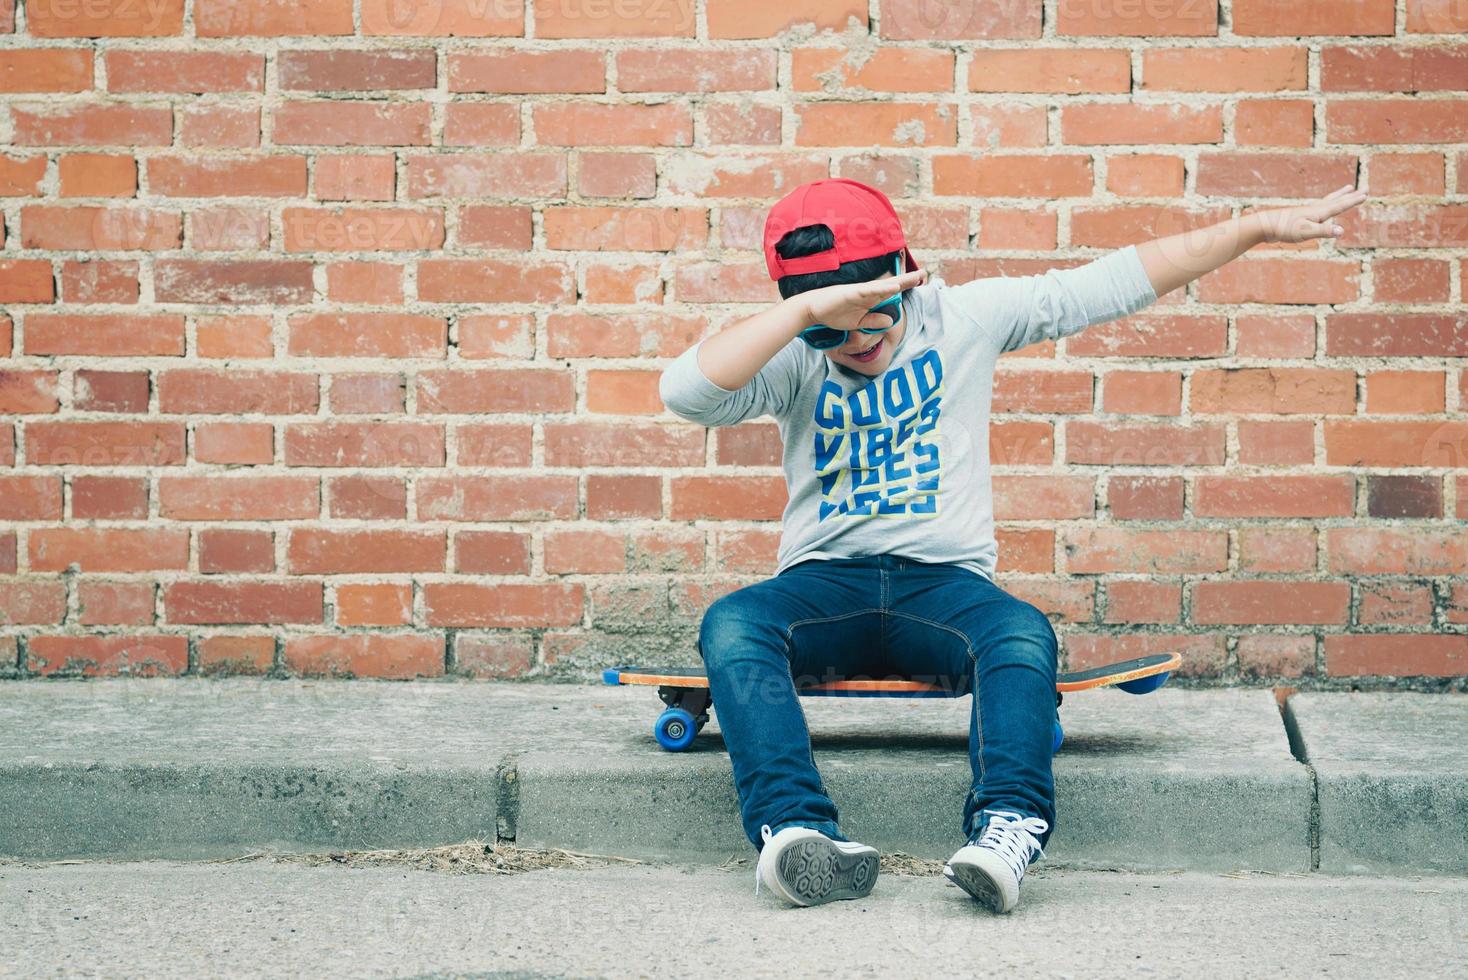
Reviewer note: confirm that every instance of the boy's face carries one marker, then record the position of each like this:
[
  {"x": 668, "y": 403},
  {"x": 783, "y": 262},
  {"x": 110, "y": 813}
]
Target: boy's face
[{"x": 857, "y": 342}]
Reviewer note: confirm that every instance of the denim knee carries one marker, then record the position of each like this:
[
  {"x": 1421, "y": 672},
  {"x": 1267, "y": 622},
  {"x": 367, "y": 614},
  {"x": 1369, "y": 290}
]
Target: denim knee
[
  {"x": 729, "y": 622},
  {"x": 1027, "y": 622}
]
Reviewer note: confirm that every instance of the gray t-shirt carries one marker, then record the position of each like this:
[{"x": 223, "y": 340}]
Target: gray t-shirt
[{"x": 899, "y": 463}]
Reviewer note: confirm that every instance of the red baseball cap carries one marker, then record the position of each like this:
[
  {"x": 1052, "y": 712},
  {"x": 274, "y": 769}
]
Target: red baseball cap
[{"x": 860, "y": 217}]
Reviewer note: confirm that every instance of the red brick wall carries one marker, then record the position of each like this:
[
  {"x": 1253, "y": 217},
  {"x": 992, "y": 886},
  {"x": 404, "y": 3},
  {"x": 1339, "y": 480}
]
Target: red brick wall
[{"x": 332, "y": 331}]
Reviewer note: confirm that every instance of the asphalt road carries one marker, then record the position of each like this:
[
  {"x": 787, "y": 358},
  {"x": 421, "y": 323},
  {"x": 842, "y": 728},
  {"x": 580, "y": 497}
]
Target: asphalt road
[{"x": 268, "y": 918}]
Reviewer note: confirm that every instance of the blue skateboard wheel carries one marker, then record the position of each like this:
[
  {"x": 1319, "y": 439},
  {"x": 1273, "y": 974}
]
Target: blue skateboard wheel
[
  {"x": 675, "y": 729},
  {"x": 1059, "y": 737},
  {"x": 1145, "y": 685}
]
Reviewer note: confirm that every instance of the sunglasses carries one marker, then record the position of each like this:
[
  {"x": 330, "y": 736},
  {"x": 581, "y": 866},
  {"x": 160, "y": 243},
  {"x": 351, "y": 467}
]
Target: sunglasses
[{"x": 822, "y": 337}]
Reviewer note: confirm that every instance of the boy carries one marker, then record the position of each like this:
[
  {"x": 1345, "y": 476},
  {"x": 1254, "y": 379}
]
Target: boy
[{"x": 881, "y": 383}]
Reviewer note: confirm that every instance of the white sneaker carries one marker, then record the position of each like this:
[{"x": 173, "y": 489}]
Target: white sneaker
[
  {"x": 805, "y": 867},
  {"x": 991, "y": 866}
]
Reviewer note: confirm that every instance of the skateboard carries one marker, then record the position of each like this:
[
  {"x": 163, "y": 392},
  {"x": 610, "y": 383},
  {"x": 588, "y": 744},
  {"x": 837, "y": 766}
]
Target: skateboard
[{"x": 685, "y": 690}]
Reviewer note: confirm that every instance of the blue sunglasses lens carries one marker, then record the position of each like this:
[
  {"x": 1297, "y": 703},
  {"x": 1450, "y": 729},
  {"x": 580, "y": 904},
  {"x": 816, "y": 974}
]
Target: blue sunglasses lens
[{"x": 822, "y": 337}]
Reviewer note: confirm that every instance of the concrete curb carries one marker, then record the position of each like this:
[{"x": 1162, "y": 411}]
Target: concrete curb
[{"x": 193, "y": 768}]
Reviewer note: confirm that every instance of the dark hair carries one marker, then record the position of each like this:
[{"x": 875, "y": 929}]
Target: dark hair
[{"x": 810, "y": 239}]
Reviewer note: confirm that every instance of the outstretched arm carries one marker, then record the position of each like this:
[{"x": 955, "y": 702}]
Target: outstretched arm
[{"x": 1179, "y": 259}]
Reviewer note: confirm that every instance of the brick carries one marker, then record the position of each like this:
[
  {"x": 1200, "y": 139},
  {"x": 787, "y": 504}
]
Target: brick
[
  {"x": 528, "y": 72},
  {"x": 221, "y": 337},
  {"x": 110, "y": 391},
  {"x": 367, "y": 394},
  {"x": 374, "y": 605},
  {"x": 748, "y": 551},
  {"x": 727, "y": 498},
  {"x": 106, "y": 334},
  {"x": 1276, "y": 549},
  {"x": 26, "y": 281},
  {"x": 876, "y": 124},
  {"x": 368, "y": 497},
  {"x": 603, "y": 124},
  {"x": 225, "y": 603},
  {"x": 341, "y": 70},
  {"x": 1172, "y": 337},
  {"x": 245, "y": 282},
  {"x": 129, "y": 655},
  {"x": 1392, "y": 551},
  {"x": 1057, "y": 71},
  {"x": 1145, "y": 498},
  {"x": 616, "y": 175},
  {"x": 494, "y": 281},
  {"x": 494, "y": 444},
  {"x": 56, "y": 18},
  {"x": 389, "y": 335},
  {"x": 1410, "y": 280},
  {"x": 1143, "y": 392},
  {"x": 504, "y": 605},
  {"x": 686, "y": 70},
  {"x": 364, "y": 444},
  {"x": 1406, "y": 392},
  {"x": 1396, "y": 443},
  {"x": 1021, "y": 443},
  {"x": 353, "y": 177},
  {"x": 1271, "y": 336},
  {"x": 272, "y": 18},
  {"x": 234, "y": 443},
  {"x": 362, "y": 229},
  {"x": 956, "y": 22},
  {"x": 236, "y": 655},
  {"x": 1276, "y": 443},
  {"x": 666, "y": 550},
  {"x": 30, "y": 498},
  {"x": 613, "y": 496},
  {"x": 733, "y": 19},
  {"x": 28, "y": 392},
  {"x": 218, "y": 127},
  {"x": 1275, "y": 496},
  {"x": 88, "y": 228},
  {"x": 1266, "y": 603},
  {"x": 1396, "y": 335},
  {"x": 1062, "y": 601},
  {"x": 1417, "y": 120},
  {"x": 238, "y": 498},
  {"x": 621, "y": 282},
  {"x": 98, "y": 549},
  {"x": 1013, "y": 175},
  {"x": 447, "y": 18},
  {"x": 1163, "y": 18},
  {"x": 1128, "y": 123},
  {"x": 235, "y": 551},
  {"x": 325, "y": 552},
  {"x": 1252, "y": 69},
  {"x": 1110, "y": 549},
  {"x": 1117, "y": 227},
  {"x": 625, "y": 229},
  {"x": 185, "y": 72},
  {"x": 496, "y": 498},
  {"x": 1271, "y": 175},
  {"x": 1025, "y": 551},
  {"x": 1436, "y": 17},
  {"x": 461, "y": 391},
  {"x": 90, "y": 280},
  {"x": 338, "y": 123},
  {"x": 1274, "y": 122},
  {"x": 492, "y": 553},
  {"x": 584, "y": 551},
  {"x": 1143, "y": 602},
  {"x": 92, "y": 125},
  {"x": 493, "y": 657},
  {"x": 621, "y": 335},
  {"x": 115, "y": 603},
  {"x": 622, "y": 444},
  {"x": 68, "y": 443},
  {"x": 748, "y": 444},
  {"x": 386, "y": 656},
  {"x": 1404, "y": 496},
  {"x": 219, "y": 392},
  {"x": 830, "y": 70},
  {"x": 1115, "y": 444},
  {"x": 377, "y": 283},
  {"x": 1282, "y": 281},
  {"x": 235, "y": 176},
  {"x": 108, "y": 498},
  {"x": 1263, "y": 655},
  {"x": 7, "y": 552},
  {"x": 1145, "y": 175},
  {"x": 1402, "y": 655},
  {"x": 739, "y": 123},
  {"x": 1401, "y": 174},
  {"x": 1001, "y": 228},
  {"x": 1268, "y": 18},
  {"x": 1393, "y": 604},
  {"x": 1284, "y": 391},
  {"x": 98, "y": 175},
  {"x": 488, "y": 175},
  {"x": 623, "y": 392}
]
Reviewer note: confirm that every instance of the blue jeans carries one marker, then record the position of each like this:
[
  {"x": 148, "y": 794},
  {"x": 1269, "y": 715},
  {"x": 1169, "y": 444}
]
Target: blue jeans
[{"x": 872, "y": 617}]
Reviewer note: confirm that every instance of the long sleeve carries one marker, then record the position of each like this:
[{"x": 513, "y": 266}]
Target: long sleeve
[
  {"x": 1015, "y": 311},
  {"x": 689, "y": 394}
]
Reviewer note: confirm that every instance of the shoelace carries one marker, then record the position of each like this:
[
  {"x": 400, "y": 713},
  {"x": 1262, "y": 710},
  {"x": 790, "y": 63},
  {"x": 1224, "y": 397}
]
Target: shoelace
[
  {"x": 1013, "y": 839},
  {"x": 764, "y": 832}
]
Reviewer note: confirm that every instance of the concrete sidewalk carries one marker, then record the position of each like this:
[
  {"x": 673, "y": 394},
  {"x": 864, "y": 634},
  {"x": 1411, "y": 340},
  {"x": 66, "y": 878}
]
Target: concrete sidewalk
[{"x": 1177, "y": 779}]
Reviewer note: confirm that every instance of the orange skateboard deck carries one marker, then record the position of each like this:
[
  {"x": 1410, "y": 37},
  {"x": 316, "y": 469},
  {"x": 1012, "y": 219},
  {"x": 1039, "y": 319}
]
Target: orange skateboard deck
[{"x": 685, "y": 690}]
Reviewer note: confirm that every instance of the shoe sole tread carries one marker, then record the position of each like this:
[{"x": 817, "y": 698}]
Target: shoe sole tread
[{"x": 817, "y": 871}]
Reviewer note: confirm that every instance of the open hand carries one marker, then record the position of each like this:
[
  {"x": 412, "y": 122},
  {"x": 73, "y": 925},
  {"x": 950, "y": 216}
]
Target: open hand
[
  {"x": 848, "y": 306},
  {"x": 1307, "y": 221}
]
